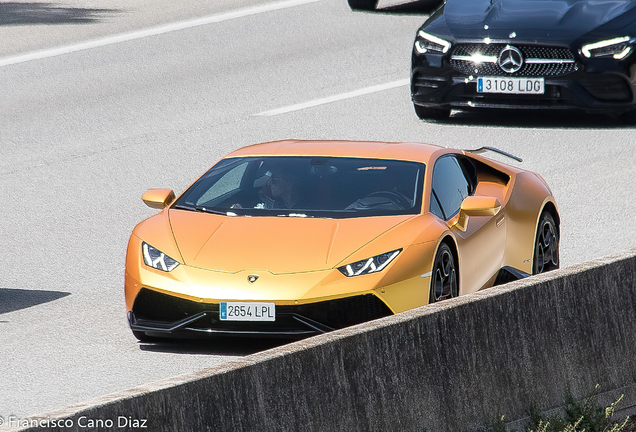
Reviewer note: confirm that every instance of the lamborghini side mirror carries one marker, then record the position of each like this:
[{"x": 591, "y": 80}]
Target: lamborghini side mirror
[
  {"x": 158, "y": 198},
  {"x": 477, "y": 206}
]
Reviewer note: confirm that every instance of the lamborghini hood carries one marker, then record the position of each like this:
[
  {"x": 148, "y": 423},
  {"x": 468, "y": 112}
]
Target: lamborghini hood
[
  {"x": 560, "y": 21},
  {"x": 275, "y": 244}
]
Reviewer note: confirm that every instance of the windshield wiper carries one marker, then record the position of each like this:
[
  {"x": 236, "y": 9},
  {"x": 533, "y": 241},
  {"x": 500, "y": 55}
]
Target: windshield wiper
[
  {"x": 213, "y": 211},
  {"x": 298, "y": 215},
  {"x": 202, "y": 209},
  {"x": 184, "y": 207}
]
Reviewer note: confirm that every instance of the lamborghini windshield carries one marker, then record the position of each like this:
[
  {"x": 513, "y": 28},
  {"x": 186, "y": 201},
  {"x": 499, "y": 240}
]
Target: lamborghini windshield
[{"x": 328, "y": 187}]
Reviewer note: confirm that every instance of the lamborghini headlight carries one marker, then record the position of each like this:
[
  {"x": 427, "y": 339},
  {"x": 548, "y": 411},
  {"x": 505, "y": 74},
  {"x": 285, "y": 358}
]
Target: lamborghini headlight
[
  {"x": 369, "y": 265},
  {"x": 427, "y": 43},
  {"x": 156, "y": 259},
  {"x": 617, "y": 48}
]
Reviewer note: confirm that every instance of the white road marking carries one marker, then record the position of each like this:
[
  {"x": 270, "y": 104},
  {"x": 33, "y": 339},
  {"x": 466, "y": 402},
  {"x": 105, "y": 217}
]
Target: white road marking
[
  {"x": 349, "y": 95},
  {"x": 125, "y": 37}
]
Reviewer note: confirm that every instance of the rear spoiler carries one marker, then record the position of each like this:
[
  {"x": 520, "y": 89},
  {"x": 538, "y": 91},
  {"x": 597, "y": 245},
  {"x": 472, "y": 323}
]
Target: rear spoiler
[{"x": 495, "y": 150}]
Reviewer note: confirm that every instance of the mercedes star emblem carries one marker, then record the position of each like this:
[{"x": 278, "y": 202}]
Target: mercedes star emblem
[
  {"x": 252, "y": 278},
  {"x": 510, "y": 59}
]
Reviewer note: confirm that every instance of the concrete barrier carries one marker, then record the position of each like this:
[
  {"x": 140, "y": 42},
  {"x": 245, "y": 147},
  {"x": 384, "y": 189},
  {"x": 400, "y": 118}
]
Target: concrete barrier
[{"x": 452, "y": 366}]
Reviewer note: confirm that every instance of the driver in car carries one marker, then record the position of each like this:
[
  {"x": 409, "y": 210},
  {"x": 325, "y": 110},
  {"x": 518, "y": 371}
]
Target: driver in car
[{"x": 286, "y": 190}]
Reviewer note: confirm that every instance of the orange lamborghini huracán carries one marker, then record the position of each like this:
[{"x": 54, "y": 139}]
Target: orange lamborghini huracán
[{"x": 296, "y": 238}]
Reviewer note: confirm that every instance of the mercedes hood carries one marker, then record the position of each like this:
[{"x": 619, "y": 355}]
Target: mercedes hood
[{"x": 562, "y": 22}]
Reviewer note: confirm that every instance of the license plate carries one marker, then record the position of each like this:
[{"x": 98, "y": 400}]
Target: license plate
[
  {"x": 510, "y": 85},
  {"x": 247, "y": 311}
]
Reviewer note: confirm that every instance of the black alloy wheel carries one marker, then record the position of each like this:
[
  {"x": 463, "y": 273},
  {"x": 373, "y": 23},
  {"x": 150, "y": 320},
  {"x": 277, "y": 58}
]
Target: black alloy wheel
[
  {"x": 546, "y": 245},
  {"x": 444, "y": 276},
  {"x": 425, "y": 113}
]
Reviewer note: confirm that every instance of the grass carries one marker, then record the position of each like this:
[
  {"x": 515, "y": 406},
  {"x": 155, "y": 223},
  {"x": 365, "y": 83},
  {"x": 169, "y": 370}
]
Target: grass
[{"x": 580, "y": 415}]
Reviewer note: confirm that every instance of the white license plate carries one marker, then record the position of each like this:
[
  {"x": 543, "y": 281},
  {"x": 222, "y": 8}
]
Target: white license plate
[
  {"x": 510, "y": 85},
  {"x": 247, "y": 311}
]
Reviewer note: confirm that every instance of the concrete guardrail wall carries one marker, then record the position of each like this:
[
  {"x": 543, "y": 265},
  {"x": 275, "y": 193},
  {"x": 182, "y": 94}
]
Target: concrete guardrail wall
[{"x": 452, "y": 366}]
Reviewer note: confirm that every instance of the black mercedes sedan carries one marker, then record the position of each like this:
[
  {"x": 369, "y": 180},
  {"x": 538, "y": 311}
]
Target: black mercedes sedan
[{"x": 526, "y": 54}]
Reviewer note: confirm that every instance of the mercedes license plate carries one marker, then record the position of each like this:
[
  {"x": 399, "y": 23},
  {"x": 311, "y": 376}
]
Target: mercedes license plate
[
  {"x": 247, "y": 311},
  {"x": 510, "y": 85}
]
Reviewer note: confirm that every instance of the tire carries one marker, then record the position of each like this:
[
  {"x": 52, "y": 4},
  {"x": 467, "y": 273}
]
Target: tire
[
  {"x": 143, "y": 337},
  {"x": 546, "y": 245},
  {"x": 444, "y": 276},
  {"x": 425, "y": 113},
  {"x": 363, "y": 4},
  {"x": 629, "y": 117}
]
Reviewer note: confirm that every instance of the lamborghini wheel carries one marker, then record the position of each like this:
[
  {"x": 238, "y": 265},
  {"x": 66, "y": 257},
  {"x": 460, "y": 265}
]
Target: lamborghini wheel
[
  {"x": 546, "y": 246},
  {"x": 444, "y": 276}
]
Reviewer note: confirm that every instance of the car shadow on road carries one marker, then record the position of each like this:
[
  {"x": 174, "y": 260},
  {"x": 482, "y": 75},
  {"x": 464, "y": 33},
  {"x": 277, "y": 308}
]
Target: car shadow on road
[
  {"x": 541, "y": 119},
  {"x": 14, "y": 13},
  {"x": 16, "y": 299},
  {"x": 235, "y": 347}
]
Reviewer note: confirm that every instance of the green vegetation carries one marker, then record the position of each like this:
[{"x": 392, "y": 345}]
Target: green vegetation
[{"x": 580, "y": 415}]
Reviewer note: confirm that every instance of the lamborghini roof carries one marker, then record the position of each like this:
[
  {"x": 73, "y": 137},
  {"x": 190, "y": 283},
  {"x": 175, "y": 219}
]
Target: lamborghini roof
[{"x": 416, "y": 152}]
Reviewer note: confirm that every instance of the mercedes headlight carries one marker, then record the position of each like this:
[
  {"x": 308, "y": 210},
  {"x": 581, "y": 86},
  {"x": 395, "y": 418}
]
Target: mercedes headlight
[
  {"x": 369, "y": 265},
  {"x": 156, "y": 259},
  {"x": 427, "y": 43},
  {"x": 617, "y": 48}
]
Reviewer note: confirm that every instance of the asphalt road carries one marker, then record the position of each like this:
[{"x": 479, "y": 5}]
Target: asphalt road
[{"x": 86, "y": 129}]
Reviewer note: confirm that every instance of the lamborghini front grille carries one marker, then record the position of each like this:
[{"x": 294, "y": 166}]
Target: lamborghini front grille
[{"x": 152, "y": 306}]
